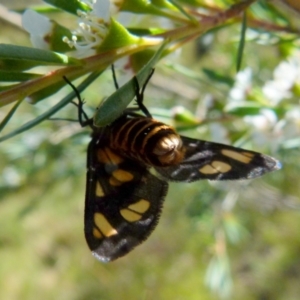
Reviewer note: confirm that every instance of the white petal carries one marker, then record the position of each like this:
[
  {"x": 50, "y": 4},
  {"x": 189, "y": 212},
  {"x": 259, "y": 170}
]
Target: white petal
[
  {"x": 39, "y": 42},
  {"x": 101, "y": 9},
  {"x": 35, "y": 23}
]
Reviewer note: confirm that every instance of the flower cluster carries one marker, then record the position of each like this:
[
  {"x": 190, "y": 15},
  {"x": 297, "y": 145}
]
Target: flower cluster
[{"x": 92, "y": 27}]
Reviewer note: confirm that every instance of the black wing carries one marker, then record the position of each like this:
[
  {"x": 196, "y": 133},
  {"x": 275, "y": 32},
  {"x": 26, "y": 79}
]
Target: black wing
[
  {"x": 207, "y": 160},
  {"x": 123, "y": 202}
]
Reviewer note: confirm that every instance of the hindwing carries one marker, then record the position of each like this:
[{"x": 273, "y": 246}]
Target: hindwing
[{"x": 123, "y": 201}]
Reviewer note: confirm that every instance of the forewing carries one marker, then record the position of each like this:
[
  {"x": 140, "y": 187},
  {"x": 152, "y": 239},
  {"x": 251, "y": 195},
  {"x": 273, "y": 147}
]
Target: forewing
[
  {"x": 123, "y": 202},
  {"x": 214, "y": 161}
]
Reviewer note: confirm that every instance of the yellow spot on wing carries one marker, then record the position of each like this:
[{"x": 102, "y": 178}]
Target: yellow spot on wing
[
  {"x": 208, "y": 169},
  {"x": 129, "y": 215},
  {"x": 114, "y": 182},
  {"x": 221, "y": 166},
  {"x": 104, "y": 226},
  {"x": 244, "y": 157},
  {"x": 215, "y": 167},
  {"x": 134, "y": 211},
  {"x": 97, "y": 234},
  {"x": 99, "y": 190},
  {"x": 249, "y": 154},
  {"x": 122, "y": 175},
  {"x": 140, "y": 206}
]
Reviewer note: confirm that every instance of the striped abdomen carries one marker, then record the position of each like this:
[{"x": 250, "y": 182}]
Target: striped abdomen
[{"x": 147, "y": 140}]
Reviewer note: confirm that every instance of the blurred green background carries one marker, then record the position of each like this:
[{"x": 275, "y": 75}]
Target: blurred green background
[{"x": 234, "y": 239}]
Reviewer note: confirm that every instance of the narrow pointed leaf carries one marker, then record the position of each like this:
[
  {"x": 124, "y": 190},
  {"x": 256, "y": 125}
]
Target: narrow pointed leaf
[{"x": 114, "y": 105}]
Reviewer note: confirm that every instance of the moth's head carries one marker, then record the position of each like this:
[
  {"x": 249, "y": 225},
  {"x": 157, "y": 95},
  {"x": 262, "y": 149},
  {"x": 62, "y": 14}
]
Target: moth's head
[{"x": 169, "y": 149}]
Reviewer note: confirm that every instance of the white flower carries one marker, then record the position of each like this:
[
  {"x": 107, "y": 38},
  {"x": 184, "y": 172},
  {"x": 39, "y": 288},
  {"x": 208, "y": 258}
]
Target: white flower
[
  {"x": 290, "y": 127},
  {"x": 264, "y": 128},
  {"x": 93, "y": 27},
  {"x": 286, "y": 74},
  {"x": 265, "y": 121},
  {"x": 242, "y": 85},
  {"x": 39, "y": 28}
]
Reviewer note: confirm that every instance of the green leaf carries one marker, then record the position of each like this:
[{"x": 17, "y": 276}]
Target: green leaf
[
  {"x": 158, "y": 8},
  {"x": 267, "y": 10},
  {"x": 32, "y": 57},
  {"x": 42, "y": 9},
  {"x": 17, "y": 65},
  {"x": 183, "y": 117},
  {"x": 190, "y": 2},
  {"x": 145, "y": 31},
  {"x": 163, "y": 4},
  {"x": 140, "y": 59},
  {"x": 242, "y": 109},
  {"x": 70, "y": 6},
  {"x": 16, "y": 76},
  {"x": 118, "y": 36},
  {"x": 55, "y": 39},
  {"x": 9, "y": 115},
  {"x": 242, "y": 43},
  {"x": 7, "y": 87},
  {"x": 141, "y": 7},
  {"x": 215, "y": 76},
  {"x": 111, "y": 108},
  {"x": 182, "y": 10}
]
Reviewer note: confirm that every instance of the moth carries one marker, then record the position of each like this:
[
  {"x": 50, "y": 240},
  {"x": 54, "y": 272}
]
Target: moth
[{"x": 124, "y": 198}]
